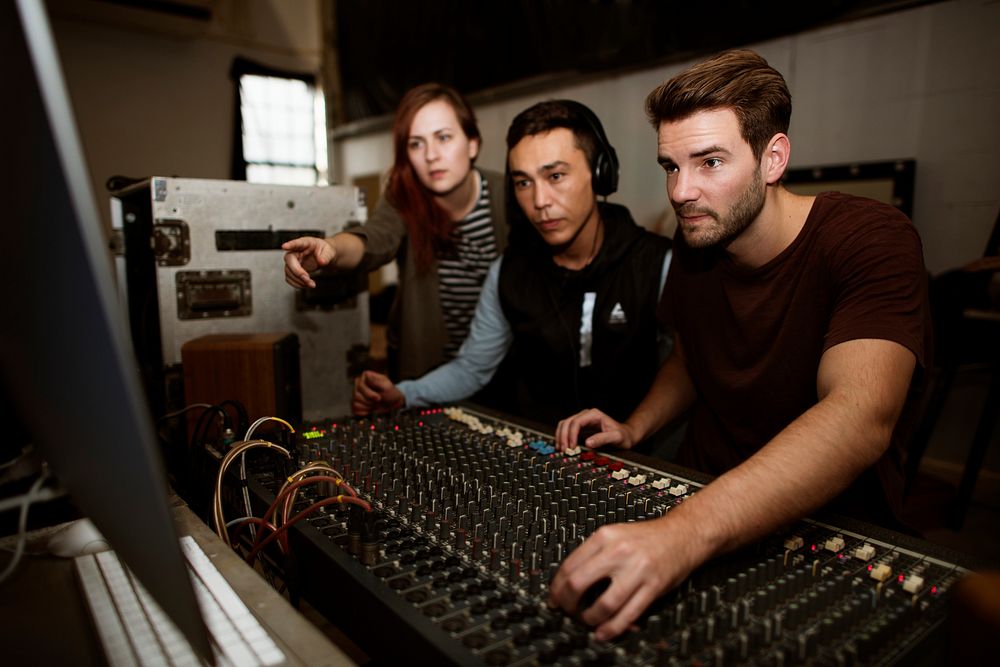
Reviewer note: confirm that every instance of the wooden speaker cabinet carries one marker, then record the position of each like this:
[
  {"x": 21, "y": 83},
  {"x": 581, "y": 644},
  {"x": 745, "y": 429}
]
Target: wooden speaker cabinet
[{"x": 259, "y": 370}]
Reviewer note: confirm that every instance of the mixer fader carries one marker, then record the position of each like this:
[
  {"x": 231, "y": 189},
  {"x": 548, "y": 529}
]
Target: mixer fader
[{"x": 472, "y": 515}]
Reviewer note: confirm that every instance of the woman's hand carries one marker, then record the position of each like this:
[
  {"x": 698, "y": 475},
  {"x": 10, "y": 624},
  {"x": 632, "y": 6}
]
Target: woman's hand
[{"x": 305, "y": 255}]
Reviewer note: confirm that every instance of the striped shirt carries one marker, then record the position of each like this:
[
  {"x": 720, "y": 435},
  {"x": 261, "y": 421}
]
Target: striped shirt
[{"x": 462, "y": 271}]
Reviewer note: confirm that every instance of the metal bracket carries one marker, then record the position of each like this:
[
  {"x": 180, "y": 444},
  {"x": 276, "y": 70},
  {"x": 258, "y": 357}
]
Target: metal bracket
[
  {"x": 116, "y": 243},
  {"x": 171, "y": 242}
]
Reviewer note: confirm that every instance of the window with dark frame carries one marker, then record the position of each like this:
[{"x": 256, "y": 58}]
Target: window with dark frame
[{"x": 280, "y": 136}]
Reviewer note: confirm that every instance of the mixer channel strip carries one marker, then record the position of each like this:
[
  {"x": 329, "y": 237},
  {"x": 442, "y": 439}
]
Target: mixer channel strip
[{"x": 473, "y": 514}]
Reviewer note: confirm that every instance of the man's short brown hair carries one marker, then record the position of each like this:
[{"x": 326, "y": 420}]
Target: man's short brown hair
[{"x": 740, "y": 80}]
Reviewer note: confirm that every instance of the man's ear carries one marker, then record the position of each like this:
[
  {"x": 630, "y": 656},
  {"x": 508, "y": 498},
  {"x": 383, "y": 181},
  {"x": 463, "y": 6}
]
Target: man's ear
[{"x": 775, "y": 158}]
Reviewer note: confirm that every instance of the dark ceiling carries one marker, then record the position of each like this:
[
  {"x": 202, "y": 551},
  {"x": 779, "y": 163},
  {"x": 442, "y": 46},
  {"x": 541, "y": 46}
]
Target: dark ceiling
[{"x": 388, "y": 46}]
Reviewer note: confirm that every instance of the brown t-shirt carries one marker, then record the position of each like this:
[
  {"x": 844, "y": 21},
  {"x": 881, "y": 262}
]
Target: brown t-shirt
[{"x": 753, "y": 338}]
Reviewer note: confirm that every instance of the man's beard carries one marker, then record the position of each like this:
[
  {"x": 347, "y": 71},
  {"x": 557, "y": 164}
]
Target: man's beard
[{"x": 725, "y": 229}]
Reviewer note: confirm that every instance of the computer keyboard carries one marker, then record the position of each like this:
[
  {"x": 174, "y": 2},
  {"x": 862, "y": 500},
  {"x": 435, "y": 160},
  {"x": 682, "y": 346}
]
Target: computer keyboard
[{"x": 134, "y": 630}]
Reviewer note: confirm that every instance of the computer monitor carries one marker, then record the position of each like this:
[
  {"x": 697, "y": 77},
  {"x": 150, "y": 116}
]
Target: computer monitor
[{"x": 63, "y": 340}]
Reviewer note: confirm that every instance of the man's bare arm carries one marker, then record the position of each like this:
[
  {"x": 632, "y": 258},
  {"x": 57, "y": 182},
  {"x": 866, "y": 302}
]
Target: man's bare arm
[{"x": 862, "y": 386}]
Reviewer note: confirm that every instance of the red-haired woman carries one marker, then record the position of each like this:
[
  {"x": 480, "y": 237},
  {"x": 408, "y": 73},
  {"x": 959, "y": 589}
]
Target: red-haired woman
[{"x": 441, "y": 218}]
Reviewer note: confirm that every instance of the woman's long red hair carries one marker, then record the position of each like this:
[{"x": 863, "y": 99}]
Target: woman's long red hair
[{"x": 427, "y": 224}]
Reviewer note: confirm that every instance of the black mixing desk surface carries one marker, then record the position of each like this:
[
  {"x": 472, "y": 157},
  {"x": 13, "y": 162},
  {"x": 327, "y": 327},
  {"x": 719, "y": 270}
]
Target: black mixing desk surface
[{"x": 473, "y": 513}]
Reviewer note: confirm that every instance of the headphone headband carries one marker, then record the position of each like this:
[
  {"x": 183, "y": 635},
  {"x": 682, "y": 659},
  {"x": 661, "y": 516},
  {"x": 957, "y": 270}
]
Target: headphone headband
[{"x": 604, "y": 164}]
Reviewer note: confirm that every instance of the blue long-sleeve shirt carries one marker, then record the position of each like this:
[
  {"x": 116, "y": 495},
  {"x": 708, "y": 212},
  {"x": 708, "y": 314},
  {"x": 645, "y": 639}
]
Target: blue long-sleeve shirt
[{"x": 477, "y": 360}]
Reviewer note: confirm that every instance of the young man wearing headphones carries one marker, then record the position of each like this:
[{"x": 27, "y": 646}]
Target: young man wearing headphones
[{"x": 566, "y": 317}]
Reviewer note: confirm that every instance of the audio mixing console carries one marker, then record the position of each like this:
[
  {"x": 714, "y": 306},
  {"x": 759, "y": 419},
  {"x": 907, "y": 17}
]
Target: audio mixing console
[{"x": 472, "y": 515}]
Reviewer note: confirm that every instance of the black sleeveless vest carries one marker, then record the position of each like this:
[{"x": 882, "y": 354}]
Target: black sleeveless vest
[{"x": 543, "y": 377}]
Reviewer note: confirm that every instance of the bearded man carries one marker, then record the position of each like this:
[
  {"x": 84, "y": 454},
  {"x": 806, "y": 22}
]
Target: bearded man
[{"x": 799, "y": 323}]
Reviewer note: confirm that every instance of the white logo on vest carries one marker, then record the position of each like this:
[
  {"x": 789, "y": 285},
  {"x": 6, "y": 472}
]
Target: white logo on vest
[{"x": 617, "y": 315}]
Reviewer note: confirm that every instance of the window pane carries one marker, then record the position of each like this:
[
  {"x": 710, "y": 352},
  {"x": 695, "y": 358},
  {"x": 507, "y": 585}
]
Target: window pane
[
  {"x": 284, "y": 134},
  {"x": 264, "y": 173}
]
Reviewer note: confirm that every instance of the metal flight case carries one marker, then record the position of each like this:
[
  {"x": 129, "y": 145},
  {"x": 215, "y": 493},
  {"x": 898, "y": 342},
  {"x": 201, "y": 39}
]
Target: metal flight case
[{"x": 203, "y": 257}]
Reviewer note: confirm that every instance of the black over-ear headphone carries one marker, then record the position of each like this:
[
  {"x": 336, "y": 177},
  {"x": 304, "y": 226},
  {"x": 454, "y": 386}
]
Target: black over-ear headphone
[{"x": 604, "y": 165}]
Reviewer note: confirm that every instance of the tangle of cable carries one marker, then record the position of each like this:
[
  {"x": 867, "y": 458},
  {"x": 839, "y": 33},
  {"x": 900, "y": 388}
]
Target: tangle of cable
[
  {"x": 243, "y": 465},
  {"x": 301, "y": 515},
  {"x": 34, "y": 494},
  {"x": 238, "y": 449}
]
